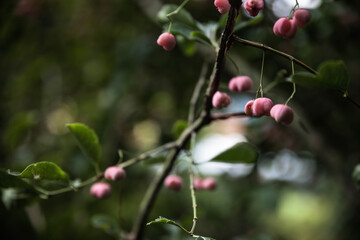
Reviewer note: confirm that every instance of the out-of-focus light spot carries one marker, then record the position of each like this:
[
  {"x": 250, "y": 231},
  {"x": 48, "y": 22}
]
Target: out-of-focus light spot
[
  {"x": 286, "y": 166},
  {"x": 282, "y": 8},
  {"x": 146, "y": 134},
  {"x": 58, "y": 118}
]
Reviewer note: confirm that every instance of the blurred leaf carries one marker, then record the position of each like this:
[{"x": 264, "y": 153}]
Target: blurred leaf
[
  {"x": 356, "y": 176},
  {"x": 204, "y": 238},
  {"x": 107, "y": 224},
  {"x": 167, "y": 221},
  {"x": 331, "y": 74},
  {"x": 178, "y": 127},
  {"x": 87, "y": 140},
  {"x": 155, "y": 159},
  {"x": 201, "y": 37},
  {"x": 253, "y": 21},
  {"x": 44, "y": 171},
  {"x": 239, "y": 153},
  {"x": 334, "y": 75},
  {"x": 183, "y": 16},
  {"x": 10, "y": 181}
]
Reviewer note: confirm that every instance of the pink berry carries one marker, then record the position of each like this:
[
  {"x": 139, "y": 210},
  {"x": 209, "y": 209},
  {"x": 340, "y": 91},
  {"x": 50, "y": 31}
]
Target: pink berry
[
  {"x": 253, "y": 7},
  {"x": 240, "y": 84},
  {"x": 100, "y": 190},
  {"x": 261, "y": 107},
  {"x": 282, "y": 113},
  {"x": 209, "y": 183},
  {"x": 223, "y": 6},
  {"x": 197, "y": 184},
  {"x": 173, "y": 182},
  {"x": 285, "y": 28},
  {"x": 221, "y": 100},
  {"x": 115, "y": 173},
  {"x": 302, "y": 16},
  {"x": 248, "y": 108},
  {"x": 167, "y": 41}
]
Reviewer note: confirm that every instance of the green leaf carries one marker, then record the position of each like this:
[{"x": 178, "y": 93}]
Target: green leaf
[
  {"x": 253, "y": 21},
  {"x": 356, "y": 176},
  {"x": 10, "y": 181},
  {"x": 87, "y": 140},
  {"x": 331, "y": 74},
  {"x": 334, "y": 75},
  {"x": 183, "y": 16},
  {"x": 239, "y": 153},
  {"x": 178, "y": 127},
  {"x": 203, "y": 238},
  {"x": 167, "y": 221},
  {"x": 107, "y": 224},
  {"x": 44, "y": 171}
]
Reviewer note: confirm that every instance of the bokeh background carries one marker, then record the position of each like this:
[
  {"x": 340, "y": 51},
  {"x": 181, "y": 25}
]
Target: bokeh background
[{"x": 97, "y": 62}]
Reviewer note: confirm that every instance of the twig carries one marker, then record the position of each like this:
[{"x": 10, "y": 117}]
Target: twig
[
  {"x": 148, "y": 154},
  {"x": 196, "y": 94},
  {"x": 291, "y": 58},
  {"x": 224, "y": 116}
]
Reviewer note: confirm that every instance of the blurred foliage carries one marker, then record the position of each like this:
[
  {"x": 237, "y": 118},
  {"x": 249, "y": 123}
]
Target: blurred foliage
[{"x": 97, "y": 62}]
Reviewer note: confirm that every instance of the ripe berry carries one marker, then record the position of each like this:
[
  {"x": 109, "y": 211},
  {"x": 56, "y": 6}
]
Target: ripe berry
[
  {"x": 261, "y": 107},
  {"x": 223, "y": 6},
  {"x": 100, "y": 190},
  {"x": 173, "y": 182},
  {"x": 248, "y": 108},
  {"x": 253, "y": 7},
  {"x": 167, "y": 41},
  {"x": 240, "y": 84},
  {"x": 221, "y": 100},
  {"x": 302, "y": 16},
  {"x": 282, "y": 113},
  {"x": 197, "y": 184},
  {"x": 285, "y": 28},
  {"x": 115, "y": 173},
  {"x": 209, "y": 183}
]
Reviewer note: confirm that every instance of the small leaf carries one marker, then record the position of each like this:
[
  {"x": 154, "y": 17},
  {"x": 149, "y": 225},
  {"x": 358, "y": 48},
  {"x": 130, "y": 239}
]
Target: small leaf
[
  {"x": 204, "y": 238},
  {"x": 87, "y": 140},
  {"x": 183, "y": 16},
  {"x": 356, "y": 176},
  {"x": 167, "y": 221},
  {"x": 178, "y": 127},
  {"x": 44, "y": 171},
  {"x": 10, "y": 181},
  {"x": 331, "y": 74},
  {"x": 107, "y": 224},
  {"x": 239, "y": 153},
  {"x": 334, "y": 75}
]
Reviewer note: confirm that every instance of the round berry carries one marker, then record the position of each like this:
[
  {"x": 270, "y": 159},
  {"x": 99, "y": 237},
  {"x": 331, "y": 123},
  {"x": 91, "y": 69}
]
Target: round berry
[
  {"x": 173, "y": 182},
  {"x": 100, "y": 190},
  {"x": 261, "y": 107},
  {"x": 197, "y": 184},
  {"x": 302, "y": 16},
  {"x": 167, "y": 41},
  {"x": 240, "y": 84},
  {"x": 248, "y": 108},
  {"x": 285, "y": 28},
  {"x": 221, "y": 100},
  {"x": 209, "y": 183},
  {"x": 253, "y": 7},
  {"x": 114, "y": 173},
  {"x": 223, "y": 6},
  {"x": 282, "y": 114}
]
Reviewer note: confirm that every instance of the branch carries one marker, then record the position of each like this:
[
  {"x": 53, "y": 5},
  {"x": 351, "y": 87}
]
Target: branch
[
  {"x": 224, "y": 116},
  {"x": 291, "y": 58}
]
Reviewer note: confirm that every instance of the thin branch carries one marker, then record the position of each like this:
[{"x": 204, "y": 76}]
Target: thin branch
[
  {"x": 291, "y": 58},
  {"x": 224, "y": 116},
  {"x": 196, "y": 94},
  {"x": 148, "y": 154}
]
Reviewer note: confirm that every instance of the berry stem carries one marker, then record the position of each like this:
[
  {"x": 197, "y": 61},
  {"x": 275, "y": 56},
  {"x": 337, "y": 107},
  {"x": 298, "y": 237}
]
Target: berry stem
[
  {"x": 192, "y": 190},
  {"x": 176, "y": 11},
  {"x": 293, "y": 9},
  {"x": 294, "y": 85}
]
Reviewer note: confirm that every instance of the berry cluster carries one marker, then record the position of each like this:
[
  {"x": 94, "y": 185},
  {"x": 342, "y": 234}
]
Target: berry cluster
[
  {"x": 252, "y": 7},
  {"x": 286, "y": 27},
  {"x": 102, "y": 189},
  {"x": 174, "y": 182}
]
